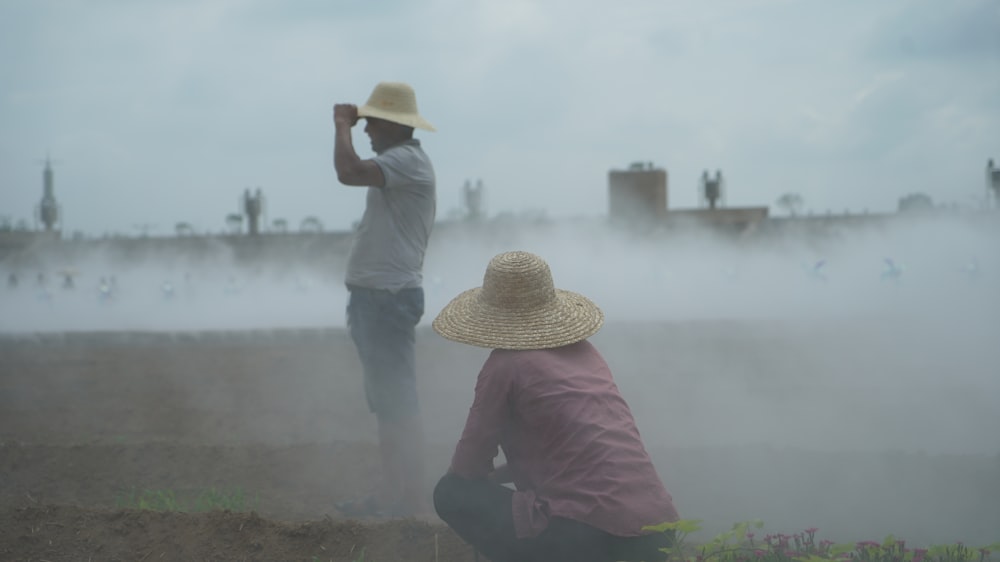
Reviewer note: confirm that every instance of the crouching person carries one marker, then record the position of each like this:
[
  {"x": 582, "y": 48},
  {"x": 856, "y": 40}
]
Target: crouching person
[{"x": 583, "y": 484}]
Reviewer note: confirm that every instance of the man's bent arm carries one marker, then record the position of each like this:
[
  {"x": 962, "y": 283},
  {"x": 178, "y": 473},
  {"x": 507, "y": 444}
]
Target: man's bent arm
[{"x": 351, "y": 169}]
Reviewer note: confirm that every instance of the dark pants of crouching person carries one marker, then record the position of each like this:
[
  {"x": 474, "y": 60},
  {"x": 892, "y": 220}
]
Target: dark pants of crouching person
[{"x": 480, "y": 512}]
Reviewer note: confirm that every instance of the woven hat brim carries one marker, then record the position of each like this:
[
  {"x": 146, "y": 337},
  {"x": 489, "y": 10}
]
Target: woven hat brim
[
  {"x": 569, "y": 318},
  {"x": 408, "y": 119}
]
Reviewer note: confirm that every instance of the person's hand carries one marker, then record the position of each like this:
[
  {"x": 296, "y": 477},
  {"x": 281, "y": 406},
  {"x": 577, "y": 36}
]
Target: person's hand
[{"x": 345, "y": 114}]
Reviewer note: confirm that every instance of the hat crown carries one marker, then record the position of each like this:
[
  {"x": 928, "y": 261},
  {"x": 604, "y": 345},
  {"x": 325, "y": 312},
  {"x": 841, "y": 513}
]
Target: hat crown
[
  {"x": 396, "y": 102},
  {"x": 518, "y": 281},
  {"x": 517, "y": 307},
  {"x": 393, "y": 96}
]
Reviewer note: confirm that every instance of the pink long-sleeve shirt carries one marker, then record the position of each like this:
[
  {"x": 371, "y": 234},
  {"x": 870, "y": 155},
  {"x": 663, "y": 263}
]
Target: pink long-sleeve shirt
[{"x": 570, "y": 440}]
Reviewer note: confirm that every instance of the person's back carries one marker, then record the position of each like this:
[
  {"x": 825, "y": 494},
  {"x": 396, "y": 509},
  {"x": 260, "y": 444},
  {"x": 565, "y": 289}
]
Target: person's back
[
  {"x": 572, "y": 444},
  {"x": 585, "y": 486}
]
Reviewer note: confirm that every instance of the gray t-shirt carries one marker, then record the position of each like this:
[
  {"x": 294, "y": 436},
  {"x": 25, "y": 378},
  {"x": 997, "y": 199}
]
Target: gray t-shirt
[{"x": 389, "y": 245}]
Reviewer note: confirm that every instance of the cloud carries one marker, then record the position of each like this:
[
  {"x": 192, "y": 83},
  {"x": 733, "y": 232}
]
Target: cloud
[
  {"x": 166, "y": 112},
  {"x": 964, "y": 31}
]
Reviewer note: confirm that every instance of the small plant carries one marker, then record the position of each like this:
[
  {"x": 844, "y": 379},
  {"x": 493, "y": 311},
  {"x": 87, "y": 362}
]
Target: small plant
[
  {"x": 212, "y": 499},
  {"x": 150, "y": 500},
  {"x": 166, "y": 500},
  {"x": 740, "y": 544}
]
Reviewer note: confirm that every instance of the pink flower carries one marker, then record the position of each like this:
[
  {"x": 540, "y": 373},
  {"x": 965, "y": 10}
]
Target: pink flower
[
  {"x": 758, "y": 553},
  {"x": 812, "y": 530}
]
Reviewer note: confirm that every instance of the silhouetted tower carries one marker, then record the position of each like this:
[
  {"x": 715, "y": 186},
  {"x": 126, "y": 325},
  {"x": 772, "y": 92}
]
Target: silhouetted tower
[
  {"x": 472, "y": 198},
  {"x": 712, "y": 188},
  {"x": 993, "y": 183},
  {"x": 253, "y": 205},
  {"x": 48, "y": 209}
]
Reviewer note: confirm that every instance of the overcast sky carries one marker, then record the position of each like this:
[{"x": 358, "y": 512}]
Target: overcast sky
[{"x": 160, "y": 112}]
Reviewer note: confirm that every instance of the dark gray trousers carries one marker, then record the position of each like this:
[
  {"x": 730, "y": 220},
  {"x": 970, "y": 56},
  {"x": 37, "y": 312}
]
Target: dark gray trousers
[{"x": 480, "y": 512}]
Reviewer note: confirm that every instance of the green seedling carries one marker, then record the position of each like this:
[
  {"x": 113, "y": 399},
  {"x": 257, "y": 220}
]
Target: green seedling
[
  {"x": 166, "y": 500},
  {"x": 740, "y": 544}
]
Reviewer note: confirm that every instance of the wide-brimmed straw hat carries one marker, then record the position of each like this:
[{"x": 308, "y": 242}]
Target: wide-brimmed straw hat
[
  {"x": 518, "y": 307},
  {"x": 396, "y": 102}
]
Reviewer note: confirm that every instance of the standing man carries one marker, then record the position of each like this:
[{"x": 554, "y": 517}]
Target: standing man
[{"x": 384, "y": 279}]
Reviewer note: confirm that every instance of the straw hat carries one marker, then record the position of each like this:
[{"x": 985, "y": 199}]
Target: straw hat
[
  {"x": 518, "y": 308},
  {"x": 396, "y": 102}
]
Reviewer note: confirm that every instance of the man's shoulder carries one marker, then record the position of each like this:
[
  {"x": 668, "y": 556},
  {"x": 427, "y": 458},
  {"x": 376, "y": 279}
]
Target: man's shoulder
[
  {"x": 406, "y": 165},
  {"x": 409, "y": 146},
  {"x": 409, "y": 152}
]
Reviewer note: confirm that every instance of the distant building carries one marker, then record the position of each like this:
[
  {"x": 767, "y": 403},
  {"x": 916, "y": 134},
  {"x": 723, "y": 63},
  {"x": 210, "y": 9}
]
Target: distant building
[
  {"x": 48, "y": 209},
  {"x": 915, "y": 202},
  {"x": 253, "y": 206},
  {"x": 638, "y": 194},
  {"x": 993, "y": 183},
  {"x": 638, "y": 198},
  {"x": 711, "y": 189}
]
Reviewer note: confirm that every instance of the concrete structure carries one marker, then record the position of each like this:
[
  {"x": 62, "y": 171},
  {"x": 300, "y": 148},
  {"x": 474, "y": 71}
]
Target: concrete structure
[
  {"x": 48, "y": 209},
  {"x": 253, "y": 206},
  {"x": 993, "y": 183},
  {"x": 473, "y": 201},
  {"x": 638, "y": 194},
  {"x": 737, "y": 220},
  {"x": 30, "y": 250},
  {"x": 638, "y": 198},
  {"x": 712, "y": 189}
]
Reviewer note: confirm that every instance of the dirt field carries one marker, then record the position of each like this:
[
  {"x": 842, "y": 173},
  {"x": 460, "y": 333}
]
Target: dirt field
[
  {"x": 279, "y": 416},
  {"x": 86, "y": 421}
]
